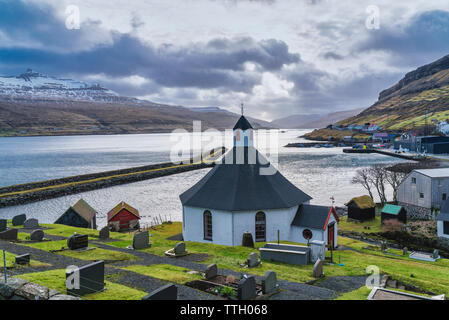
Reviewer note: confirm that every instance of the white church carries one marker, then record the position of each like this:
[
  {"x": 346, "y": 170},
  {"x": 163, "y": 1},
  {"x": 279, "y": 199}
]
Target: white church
[{"x": 234, "y": 198}]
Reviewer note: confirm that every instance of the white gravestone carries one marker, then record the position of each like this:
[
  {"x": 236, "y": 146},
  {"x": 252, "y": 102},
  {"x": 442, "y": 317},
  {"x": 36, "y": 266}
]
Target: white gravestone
[{"x": 317, "y": 250}]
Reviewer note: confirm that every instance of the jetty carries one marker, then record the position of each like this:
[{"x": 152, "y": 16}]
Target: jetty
[
  {"x": 388, "y": 153},
  {"x": 43, "y": 190}
]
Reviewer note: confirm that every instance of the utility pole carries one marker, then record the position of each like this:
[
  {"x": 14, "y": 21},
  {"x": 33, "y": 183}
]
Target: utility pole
[{"x": 4, "y": 265}]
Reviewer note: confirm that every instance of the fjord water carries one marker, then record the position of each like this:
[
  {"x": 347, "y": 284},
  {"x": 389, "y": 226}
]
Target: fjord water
[{"x": 320, "y": 172}]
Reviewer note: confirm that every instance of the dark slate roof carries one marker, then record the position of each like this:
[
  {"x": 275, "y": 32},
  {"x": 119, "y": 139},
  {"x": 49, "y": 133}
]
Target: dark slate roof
[
  {"x": 311, "y": 216},
  {"x": 444, "y": 213},
  {"x": 238, "y": 187},
  {"x": 242, "y": 124}
]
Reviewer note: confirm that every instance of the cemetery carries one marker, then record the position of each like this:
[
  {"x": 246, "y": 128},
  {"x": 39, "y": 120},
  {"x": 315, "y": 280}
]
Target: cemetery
[{"x": 208, "y": 271}]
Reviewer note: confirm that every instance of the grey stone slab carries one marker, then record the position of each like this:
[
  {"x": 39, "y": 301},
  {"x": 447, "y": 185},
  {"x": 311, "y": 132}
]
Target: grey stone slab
[
  {"x": 37, "y": 235},
  {"x": 180, "y": 249},
  {"x": 19, "y": 220},
  {"x": 211, "y": 271},
  {"x": 90, "y": 278},
  {"x": 9, "y": 235},
  {"x": 33, "y": 291},
  {"x": 253, "y": 260},
  {"x": 167, "y": 292},
  {"x": 104, "y": 233},
  {"x": 318, "y": 269},
  {"x": 269, "y": 282},
  {"x": 63, "y": 297},
  {"x": 141, "y": 240},
  {"x": 31, "y": 224},
  {"x": 78, "y": 241},
  {"x": 3, "y": 225},
  {"x": 23, "y": 259},
  {"x": 7, "y": 290},
  {"x": 246, "y": 288}
]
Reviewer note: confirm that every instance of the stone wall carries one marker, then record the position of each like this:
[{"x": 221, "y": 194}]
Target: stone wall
[
  {"x": 19, "y": 289},
  {"x": 443, "y": 242},
  {"x": 416, "y": 212}
]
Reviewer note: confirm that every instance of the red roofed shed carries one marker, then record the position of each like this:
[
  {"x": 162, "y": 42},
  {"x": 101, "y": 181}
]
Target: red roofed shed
[{"x": 123, "y": 216}]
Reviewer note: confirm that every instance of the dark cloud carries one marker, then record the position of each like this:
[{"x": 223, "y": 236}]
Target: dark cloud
[
  {"x": 219, "y": 63},
  {"x": 425, "y": 39}
]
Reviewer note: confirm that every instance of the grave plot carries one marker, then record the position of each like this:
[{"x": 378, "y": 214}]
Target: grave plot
[{"x": 11, "y": 261}]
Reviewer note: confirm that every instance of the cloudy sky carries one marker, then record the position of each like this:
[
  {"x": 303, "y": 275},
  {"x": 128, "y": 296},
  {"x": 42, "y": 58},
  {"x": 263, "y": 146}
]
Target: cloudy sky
[{"x": 279, "y": 57}]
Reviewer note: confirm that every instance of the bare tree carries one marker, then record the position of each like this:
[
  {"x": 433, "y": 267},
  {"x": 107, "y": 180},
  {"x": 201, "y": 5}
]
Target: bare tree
[
  {"x": 394, "y": 179},
  {"x": 377, "y": 177},
  {"x": 362, "y": 177}
]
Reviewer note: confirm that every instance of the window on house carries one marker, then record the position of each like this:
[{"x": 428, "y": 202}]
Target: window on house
[
  {"x": 444, "y": 196},
  {"x": 421, "y": 195},
  {"x": 207, "y": 218},
  {"x": 446, "y": 227},
  {"x": 260, "y": 226},
  {"x": 413, "y": 180}
]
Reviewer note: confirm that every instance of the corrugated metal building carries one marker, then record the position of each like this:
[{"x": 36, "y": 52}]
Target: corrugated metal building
[{"x": 428, "y": 144}]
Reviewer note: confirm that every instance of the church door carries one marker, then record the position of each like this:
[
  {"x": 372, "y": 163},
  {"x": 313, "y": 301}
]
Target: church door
[
  {"x": 331, "y": 235},
  {"x": 260, "y": 227}
]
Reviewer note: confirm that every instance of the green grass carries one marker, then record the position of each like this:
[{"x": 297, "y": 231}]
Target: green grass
[
  {"x": 91, "y": 255},
  {"x": 359, "y": 294},
  {"x": 10, "y": 261},
  {"x": 165, "y": 272},
  {"x": 55, "y": 279},
  {"x": 375, "y": 225}
]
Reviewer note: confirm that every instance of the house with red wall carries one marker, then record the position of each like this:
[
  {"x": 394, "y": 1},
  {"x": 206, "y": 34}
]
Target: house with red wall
[{"x": 123, "y": 216}]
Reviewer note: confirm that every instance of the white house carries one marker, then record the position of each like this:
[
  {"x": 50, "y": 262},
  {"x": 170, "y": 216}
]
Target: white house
[
  {"x": 443, "y": 222},
  {"x": 240, "y": 195},
  {"x": 424, "y": 191}
]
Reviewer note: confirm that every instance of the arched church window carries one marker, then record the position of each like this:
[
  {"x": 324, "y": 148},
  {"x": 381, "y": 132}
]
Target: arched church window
[
  {"x": 207, "y": 218},
  {"x": 260, "y": 227}
]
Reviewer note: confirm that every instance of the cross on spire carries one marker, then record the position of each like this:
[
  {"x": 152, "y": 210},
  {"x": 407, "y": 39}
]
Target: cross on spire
[{"x": 241, "y": 105}]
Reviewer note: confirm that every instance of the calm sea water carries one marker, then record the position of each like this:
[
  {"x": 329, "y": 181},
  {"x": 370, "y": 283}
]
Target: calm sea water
[{"x": 320, "y": 172}]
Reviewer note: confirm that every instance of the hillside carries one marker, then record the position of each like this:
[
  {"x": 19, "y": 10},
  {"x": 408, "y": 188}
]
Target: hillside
[
  {"x": 403, "y": 106},
  {"x": 37, "y": 104},
  {"x": 310, "y": 121}
]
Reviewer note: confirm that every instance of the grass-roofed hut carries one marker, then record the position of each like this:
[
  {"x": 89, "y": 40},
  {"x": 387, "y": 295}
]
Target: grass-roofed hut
[
  {"x": 361, "y": 208},
  {"x": 81, "y": 215}
]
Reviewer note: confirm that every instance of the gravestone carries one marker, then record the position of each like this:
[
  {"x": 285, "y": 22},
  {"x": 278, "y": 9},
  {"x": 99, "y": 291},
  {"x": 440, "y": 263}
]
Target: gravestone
[
  {"x": 104, "y": 233},
  {"x": 435, "y": 254},
  {"x": 167, "y": 292},
  {"x": 78, "y": 241},
  {"x": 90, "y": 277},
  {"x": 9, "y": 235},
  {"x": 247, "y": 240},
  {"x": 19, "y": 220},
  {"x": 23, "y": 259},
  {"x": 3, "y": 225},
  {"x": 404, "y": 251},
  {"x": 31, "y": 224},
  {"x": 383, "y": 246},
  {"x": 37, "y": 235},
  {"x": 246, "y": 288},
  {"x": 269, "y": 282},
  {"x": 318, "y": 269},
  {"x": 141, "y": 240},
  {"x": 211, "y": 271},
  {"x": 317, "y": 249},
  {"x": 253, "y": 260},
  {"x": 180, "y": 249}
]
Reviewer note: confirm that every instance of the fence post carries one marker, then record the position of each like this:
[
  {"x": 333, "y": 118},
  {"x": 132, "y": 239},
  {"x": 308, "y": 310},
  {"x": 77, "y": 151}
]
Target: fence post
[{"x": 4, "y": 266}]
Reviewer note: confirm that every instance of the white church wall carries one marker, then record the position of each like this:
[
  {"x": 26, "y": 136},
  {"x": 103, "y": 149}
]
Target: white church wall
[
  {"x": 193, "y": 229},
  {"x": 296, "y": 235},
  {"x": 244, "y": 138},
  {"x": 276, "y": 219}
]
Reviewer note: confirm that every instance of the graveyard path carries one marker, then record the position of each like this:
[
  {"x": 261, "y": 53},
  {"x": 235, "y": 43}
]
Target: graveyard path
[
  {"x": 149, "y": 284},
  {"x": 289, "y": 290},
  {"x": 55, "y": 261}
]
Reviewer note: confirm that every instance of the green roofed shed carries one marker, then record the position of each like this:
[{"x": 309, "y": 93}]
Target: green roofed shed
[{"x": 391, "y": 211}]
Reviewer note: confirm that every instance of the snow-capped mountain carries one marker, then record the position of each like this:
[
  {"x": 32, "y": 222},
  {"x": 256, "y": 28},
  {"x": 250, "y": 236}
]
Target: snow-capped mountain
[{"x": 35, "y": 86}]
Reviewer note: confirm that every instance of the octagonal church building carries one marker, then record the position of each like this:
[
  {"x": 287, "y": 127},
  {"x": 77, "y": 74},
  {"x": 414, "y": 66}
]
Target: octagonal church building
[{"x": 245, "y": 193}]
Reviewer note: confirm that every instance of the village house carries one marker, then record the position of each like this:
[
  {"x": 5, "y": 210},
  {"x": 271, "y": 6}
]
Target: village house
[
  {"x": 393, "y": 212},
  {"x": 423, "y": 191},
  {"x": 81, "y": 215},
  {"x": 245, "y": 193},
  {"x": 123, "y": 217}
]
